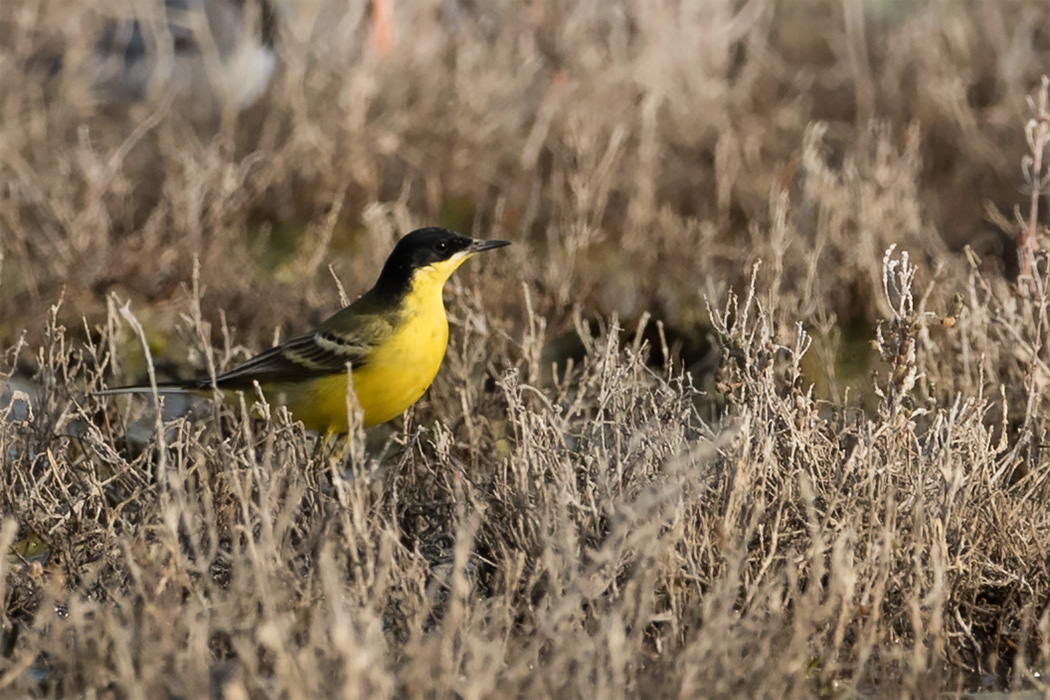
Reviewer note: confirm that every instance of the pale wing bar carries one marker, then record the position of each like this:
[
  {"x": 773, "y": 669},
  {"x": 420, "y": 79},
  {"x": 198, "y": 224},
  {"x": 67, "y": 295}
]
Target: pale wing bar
[{"x": 311, "y": 355}]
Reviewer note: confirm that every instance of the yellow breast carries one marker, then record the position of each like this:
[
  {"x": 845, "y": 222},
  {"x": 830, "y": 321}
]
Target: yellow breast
[
  {"x": 403, "y": 368},
  {"x": 398, "y": 371}
]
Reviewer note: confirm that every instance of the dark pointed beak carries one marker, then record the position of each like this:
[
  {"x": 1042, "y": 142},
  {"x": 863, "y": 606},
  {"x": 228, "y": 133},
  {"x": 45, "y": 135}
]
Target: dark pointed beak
[{"x": 478, "y": 246}]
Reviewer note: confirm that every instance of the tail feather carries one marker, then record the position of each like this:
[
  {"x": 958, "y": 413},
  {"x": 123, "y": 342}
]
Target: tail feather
[{"x": 164, "y": 388}]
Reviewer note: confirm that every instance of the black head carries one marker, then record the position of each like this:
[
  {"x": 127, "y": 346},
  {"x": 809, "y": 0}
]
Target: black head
[{"x": 427, "y": 247}]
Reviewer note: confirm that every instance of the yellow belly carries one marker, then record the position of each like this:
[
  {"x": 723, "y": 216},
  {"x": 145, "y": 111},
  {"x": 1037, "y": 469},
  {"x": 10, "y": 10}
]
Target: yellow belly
[{"x": 397, "y": 374}]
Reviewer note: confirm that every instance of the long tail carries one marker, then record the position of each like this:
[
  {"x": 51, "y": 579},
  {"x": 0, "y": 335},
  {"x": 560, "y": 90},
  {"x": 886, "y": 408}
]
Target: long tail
[{"x": 163, "y": 388}]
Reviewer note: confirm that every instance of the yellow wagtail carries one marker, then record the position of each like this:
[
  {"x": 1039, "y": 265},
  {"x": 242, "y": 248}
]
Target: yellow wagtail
[{"x": 393, "y": 339}]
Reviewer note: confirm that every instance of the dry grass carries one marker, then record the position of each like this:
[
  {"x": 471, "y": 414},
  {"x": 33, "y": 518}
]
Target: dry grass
[{"x": 581, "y": 506}]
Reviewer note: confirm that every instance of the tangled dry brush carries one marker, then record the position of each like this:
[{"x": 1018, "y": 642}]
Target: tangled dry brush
[{"x": 754, "y": 407}]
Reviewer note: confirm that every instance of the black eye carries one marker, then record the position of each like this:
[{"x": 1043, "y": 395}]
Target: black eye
[{"x": 441, "y": 247}]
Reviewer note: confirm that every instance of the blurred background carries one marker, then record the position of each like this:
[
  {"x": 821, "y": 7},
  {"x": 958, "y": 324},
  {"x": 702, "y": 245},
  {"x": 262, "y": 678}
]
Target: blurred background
[
  {"x": 843, "y": 517},
  {"x": 641, "y": 155}
]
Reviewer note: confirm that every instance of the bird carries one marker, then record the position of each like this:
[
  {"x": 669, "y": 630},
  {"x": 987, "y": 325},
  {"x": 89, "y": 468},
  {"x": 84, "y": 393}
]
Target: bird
[
  {"x": 392, "y": 339},
  {"x": 130, "y": 62},
  {"x": 204, "y": 54}
]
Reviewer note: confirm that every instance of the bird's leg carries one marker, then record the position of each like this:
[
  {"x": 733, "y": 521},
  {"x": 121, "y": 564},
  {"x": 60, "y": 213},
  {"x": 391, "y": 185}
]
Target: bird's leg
[{"x": 321, "y": 445}]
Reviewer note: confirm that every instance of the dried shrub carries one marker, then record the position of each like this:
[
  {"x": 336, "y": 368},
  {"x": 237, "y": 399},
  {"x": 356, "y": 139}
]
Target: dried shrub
[{"x": 753, "y": 407}]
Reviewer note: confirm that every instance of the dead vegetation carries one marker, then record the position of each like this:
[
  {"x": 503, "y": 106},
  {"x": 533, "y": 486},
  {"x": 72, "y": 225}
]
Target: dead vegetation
[{"x": 848, "y": 497}]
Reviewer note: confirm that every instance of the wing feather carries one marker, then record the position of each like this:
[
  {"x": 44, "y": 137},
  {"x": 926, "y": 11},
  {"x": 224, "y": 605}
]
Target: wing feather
[{"x": 327, "y": 350}]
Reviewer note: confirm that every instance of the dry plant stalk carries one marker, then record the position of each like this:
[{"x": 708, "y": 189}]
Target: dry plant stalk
[
  {"x": 579, "y": 507},
  {"x": 1037, "y": 133}
]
